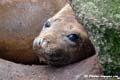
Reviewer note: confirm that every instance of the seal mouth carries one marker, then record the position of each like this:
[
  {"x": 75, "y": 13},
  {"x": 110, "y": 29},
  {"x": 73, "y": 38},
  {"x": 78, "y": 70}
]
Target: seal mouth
[{"x": 58, "y": 59}]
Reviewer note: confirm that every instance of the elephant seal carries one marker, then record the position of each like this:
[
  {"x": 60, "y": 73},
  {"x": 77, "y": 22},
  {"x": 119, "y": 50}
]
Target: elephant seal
[
  {"x": 20, "y": 22},
  {"x": 63, "y": 40}
]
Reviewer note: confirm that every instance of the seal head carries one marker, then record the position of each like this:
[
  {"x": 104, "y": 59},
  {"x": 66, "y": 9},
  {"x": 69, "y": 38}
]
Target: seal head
[{"x": 63, "y": 40}]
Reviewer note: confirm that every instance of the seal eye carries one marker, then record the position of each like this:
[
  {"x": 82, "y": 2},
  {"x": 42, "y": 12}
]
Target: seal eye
[
  {"x": 73, "y": 37},
  {"x": 47, "y": 24}
]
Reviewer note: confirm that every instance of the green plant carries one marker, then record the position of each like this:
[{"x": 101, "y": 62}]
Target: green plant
[{"x": 101, "y": 18}]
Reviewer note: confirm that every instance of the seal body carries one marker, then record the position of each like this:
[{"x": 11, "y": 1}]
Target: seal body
[
  {"x": 63, "y": 40},
  {"x": 20, "y": 23}
]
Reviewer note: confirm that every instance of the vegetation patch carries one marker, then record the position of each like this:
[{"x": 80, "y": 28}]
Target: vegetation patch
[{"x": 101, "y": 18}]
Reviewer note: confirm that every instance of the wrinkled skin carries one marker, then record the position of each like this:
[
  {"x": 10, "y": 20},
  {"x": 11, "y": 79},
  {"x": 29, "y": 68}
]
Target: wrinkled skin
[
  {"x": 20, "y": 22},
  {"x": 53, "y": 45}
]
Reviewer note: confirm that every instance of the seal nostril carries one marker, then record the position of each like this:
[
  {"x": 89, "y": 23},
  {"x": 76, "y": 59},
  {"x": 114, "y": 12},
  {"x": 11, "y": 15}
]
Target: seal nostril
[{"x": 39, "y": 43}]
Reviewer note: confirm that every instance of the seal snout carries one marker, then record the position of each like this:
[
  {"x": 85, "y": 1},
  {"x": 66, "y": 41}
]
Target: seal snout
[{"x": 53, "y": 53}]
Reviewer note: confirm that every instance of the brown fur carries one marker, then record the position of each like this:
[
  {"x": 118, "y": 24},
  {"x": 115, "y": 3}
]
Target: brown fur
[
  {"x": 56, "y": 44},
  {"x": 20, "y": 22}
]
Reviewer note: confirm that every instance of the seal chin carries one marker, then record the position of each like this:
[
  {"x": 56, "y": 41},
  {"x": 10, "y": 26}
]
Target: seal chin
[{"x": 58, "y": 59}]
